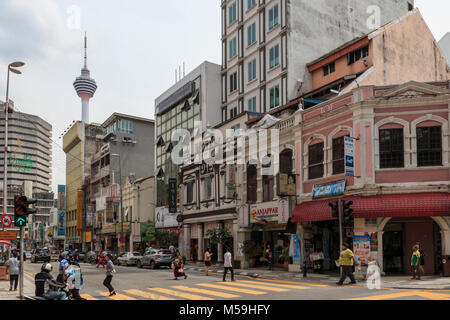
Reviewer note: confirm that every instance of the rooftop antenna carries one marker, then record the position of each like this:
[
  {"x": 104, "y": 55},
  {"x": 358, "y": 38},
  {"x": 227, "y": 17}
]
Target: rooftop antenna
[
  {"x": 176, "y": 77},
  {"x": 179, "y": 68},
  {"x": 85, "y": 50},
  {"x": 184, "y": 70}
]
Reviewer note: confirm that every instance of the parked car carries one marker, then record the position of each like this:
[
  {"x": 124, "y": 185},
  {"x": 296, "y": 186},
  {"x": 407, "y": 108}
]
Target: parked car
[
  {"x": 113, "y": 254},
  {"x": 28, "y": 254},
  {"x": 156, "y": 258},
  {"x": 40, "y": 255},
  {"x": 129, "y": 258},
  {"x": 90, "y": 257}
]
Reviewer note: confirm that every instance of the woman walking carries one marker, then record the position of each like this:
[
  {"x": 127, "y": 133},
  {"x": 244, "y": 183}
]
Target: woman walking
[
  {"x": 269, "y": 256},
  {"x": 109, "y": 274},
  {"x": 207, "y": 260}
]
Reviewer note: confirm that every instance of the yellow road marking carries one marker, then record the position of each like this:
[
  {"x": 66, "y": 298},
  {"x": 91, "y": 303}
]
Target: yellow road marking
[
  {"x": 216, "y": 286},
  {"x": 276, "y": 284},
  {"x": 179, "y": 294},
  {"x": 434, "y": 296},
  {"x": 255, "y": 286},
  {"x": 388, "y": 296},
  {"x": 29, "y": 273},
  {"x": 147, "y": 295},
  {"x": 208, "y": 292},
  {"x": 87, "y": 296},
  {"x": 293, "y": 282},
  {"x": 118, "y": 296}
]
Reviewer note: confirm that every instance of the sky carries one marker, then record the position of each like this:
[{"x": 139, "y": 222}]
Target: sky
[{"x": 134, "y": 48}]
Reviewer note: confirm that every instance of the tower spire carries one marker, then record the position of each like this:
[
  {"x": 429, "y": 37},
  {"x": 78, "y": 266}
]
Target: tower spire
[{"x": 85, "y": 50}]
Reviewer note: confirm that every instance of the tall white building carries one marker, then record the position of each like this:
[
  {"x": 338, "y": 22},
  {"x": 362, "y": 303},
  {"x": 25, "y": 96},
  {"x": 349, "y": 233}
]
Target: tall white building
[{"x": 266, "y": 45}]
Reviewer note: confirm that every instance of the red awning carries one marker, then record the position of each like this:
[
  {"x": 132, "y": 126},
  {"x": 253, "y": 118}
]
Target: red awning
[
  {"x": 5, "y": 242},
  {"x": 387, "y": 205}
]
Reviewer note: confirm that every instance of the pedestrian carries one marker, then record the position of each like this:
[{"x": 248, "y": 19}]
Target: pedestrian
[
  {"x": 346, "y": 261},
  {"x": 228, "y": 265},
  {"x": 63, "y": 266},
  {"x": 422, "y": 260},
  {"x": 109, "y": 275},
  {"x": 172, "y": 249},
  {"x": 269, "y": 256},
  {"x": 207, "y": 260},
  {"x": 13, "y": 266},
  {"x": 177, "y": 267},
  {"x": 415, "y": 263},
  {"x": 101, "y": 260}
]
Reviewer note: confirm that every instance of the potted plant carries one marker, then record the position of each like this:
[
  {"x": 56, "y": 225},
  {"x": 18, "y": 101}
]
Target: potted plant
[
  {"x": 250, "y": 251},
  {"x": 284, "y": 256}
]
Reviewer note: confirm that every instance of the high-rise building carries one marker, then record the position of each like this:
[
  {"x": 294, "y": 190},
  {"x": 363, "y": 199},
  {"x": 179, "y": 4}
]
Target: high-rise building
[{"x": 267, "y": 44}]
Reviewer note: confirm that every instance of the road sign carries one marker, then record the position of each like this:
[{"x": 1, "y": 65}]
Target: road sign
[
  {"x": 349, "y": 156},
  {"x": 8, "y": 235},
  {"x": 122, "y": 239},
  {"x": 6, "y": 220}
]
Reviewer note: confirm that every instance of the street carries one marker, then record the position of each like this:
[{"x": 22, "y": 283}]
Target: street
[{"x": 132, "y": 283}]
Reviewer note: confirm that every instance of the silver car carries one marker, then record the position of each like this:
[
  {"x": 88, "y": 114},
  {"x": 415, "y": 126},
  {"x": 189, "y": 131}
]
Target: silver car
[
  {"x": 156, "y": 258},
  {"x": 129, "y": 258}
]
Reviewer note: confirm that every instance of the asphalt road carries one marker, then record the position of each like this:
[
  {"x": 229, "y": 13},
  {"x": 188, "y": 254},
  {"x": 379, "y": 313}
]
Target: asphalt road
[{"x": 132, "y": 283}]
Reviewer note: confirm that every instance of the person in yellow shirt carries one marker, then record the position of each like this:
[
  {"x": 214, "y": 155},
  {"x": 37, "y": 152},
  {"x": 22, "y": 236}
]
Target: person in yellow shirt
[{"x": 346, "y": 261}]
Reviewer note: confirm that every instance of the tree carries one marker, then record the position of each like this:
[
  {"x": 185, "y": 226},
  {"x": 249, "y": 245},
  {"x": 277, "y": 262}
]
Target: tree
[
  {"x": 220, "y": 235},
  {"x": 166, "y": 238}
]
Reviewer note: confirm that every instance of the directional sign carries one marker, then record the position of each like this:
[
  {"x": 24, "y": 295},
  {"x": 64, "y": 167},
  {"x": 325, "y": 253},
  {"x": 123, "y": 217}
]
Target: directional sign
[
  {"x": 6, "y": 220},
  {"x": 21, "y": 221}
]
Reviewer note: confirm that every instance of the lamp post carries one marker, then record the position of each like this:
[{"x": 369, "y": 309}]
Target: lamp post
[
  {"x": 11, "y": 67},
  {"x": 120, "y": 182}
]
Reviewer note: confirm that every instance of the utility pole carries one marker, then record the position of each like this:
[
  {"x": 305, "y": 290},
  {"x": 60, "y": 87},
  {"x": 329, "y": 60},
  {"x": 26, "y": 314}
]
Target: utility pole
[
  {"x": 340, "y": 227},
  {"x": 21, "y": 264}
]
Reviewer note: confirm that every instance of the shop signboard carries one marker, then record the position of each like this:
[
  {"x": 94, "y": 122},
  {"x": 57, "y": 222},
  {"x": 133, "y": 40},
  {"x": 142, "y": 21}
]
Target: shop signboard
[
  {"x": 137, "y": 238},
  {"x": 283, "y": 210},
  {"x": 361, "y": 248},
  {"x": 89, "y": 215},
  {"x": 349, "y": 156},
  {"x": 264, "y": 212},
  {"x": 79, "y": 210},
  {"x": 61, "y": 197},
  {"x": 100, "y": 203},
  {"x": 61, "y": 223},
  {"x": 8, "y": 235},
  {"x": 172, "y": 195},
  {"x": 286, "y": 185},
  {"x": 108, "y": 228},
  {"x": 87, "y": 236},
  {"x": 332, "y": 189},
  {"x": 165, "y": 219},
  {"x": 243, "y": 216},
  {"x": 230, "y": 182}
]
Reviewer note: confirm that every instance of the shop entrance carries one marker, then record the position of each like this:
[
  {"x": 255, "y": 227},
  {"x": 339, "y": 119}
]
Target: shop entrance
[
  {"x": 277, "y": 240},
  {"x": 401, "y": 234}
]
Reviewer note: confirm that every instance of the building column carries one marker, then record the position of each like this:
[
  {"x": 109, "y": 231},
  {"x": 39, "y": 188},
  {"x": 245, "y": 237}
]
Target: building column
[
  {"x": 380, "y": 251},
  {"x": 445, "y": 238},
  {"x": 235, "y": 238},
  {"x": 326, "y": 235},
  {"x": 219, "y": 253},
  {"x": 187, "y": 241},
  {"x": 200, "y": 242}
]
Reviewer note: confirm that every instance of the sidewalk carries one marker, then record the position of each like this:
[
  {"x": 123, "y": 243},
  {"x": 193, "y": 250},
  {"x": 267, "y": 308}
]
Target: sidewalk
[
  {"x": 392, "y": 282},
  {"x": 28, "y": 289}
]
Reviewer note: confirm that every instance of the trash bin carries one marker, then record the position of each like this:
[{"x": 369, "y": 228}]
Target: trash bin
[{"x": 446, "y": 266}]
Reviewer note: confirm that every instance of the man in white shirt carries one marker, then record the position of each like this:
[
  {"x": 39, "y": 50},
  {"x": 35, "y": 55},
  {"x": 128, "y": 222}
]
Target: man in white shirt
[
  {"x": 13, "y": 267},
  {"x": 228, "y": 265}
]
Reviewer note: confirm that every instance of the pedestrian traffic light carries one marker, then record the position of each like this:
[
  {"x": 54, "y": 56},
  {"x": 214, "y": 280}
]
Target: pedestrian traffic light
[
  {"x": 334, "y": 209},
  {"x": 347, "y": 211},
  {"x": 21, "y": 210}
]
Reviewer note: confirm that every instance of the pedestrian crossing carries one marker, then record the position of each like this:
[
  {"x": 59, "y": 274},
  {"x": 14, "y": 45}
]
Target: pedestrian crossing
[{"x": 204, "y": 291}]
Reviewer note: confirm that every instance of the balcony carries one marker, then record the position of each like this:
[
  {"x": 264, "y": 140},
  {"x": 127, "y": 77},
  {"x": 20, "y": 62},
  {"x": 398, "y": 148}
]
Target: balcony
[{"x": 286, "y": 124}]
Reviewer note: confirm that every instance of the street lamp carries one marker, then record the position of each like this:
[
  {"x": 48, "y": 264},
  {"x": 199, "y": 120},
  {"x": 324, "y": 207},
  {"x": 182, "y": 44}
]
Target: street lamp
[
  {"x": 11, "y": 67},
  {"x": 121, "y": 203}
]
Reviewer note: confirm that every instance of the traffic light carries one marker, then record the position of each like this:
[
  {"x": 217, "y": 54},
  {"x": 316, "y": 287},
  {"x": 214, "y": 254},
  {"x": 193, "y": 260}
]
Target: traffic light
[
  {"x": 346, "y": 210},
  {"x": 21, "y": 210},
  {"x": 334, "y": 209}
]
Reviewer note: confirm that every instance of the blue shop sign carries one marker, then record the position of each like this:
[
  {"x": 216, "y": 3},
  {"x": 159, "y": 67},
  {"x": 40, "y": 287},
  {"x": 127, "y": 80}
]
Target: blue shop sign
[{"x": 328, "y": 190}]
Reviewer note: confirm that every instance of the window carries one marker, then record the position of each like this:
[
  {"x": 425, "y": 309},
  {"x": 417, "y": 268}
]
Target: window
[
  {"x": 250, "y": 3},
  {"x": 391, "y": 148},
  {"x": 236, "y": 131},
  {"x": 286, "y": 161},
  {"x": 251, "y": 183},
  {"x": 315, "y": 163},
  {"x": 338, "y": 155},
  {"x": 267, "y": 188},
  {"x": 429, "y": 146},
  {"x": 233, "y": 50},
  {"x": 232, "y": 13},
  {"x": 274, "y": 56},
  {"x": 190, "y": 192},
  {"x": 252, "y": 70},
  {"x": 233, "y": 112},
  {"x": 252, "y": 104},
  {"x": 273, "y": 17},
  {"x": 233, "y": 82},
  {"x": 207, "y": 187},
  {"x": 251, "y": 31},
  {"x": 329, "y": 68},
  {"x": 274, "y": 97},
  {"x": 357, "y": 55}
]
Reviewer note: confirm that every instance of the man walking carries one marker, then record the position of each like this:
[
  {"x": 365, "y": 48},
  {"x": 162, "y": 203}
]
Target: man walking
[
  {"x": 109, "y": 275},
  {"x": 415, "y": 263},
  {"x": 228, "y": 266},
  {"x": 346, "y": 261},
  {"x": 13, "y": 266},
  {"x": 207, "y": 259}
]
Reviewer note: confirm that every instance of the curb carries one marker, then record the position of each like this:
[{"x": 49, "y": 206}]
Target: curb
[
  {"x": 422, "y": 288},
  {"x": 249, "y": 274}
]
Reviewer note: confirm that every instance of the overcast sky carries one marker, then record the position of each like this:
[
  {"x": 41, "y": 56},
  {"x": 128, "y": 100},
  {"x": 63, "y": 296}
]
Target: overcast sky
[{"x": 133, "y": 50}]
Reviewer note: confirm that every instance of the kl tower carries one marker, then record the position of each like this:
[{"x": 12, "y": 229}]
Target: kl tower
[{"x": 85, "y": 87}]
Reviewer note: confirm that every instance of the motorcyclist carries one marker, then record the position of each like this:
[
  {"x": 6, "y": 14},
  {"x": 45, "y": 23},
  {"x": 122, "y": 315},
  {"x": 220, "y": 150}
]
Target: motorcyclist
[
  {"x": 74, "y": 279},
  {"x": 46, "y": 284},
  {"x": 63, "y": 265}
]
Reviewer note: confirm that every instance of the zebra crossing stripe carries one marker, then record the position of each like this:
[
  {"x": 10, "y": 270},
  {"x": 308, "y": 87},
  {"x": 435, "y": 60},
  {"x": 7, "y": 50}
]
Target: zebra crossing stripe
[
  {"x": 87, "y": 296},
  {"x": 179, "y": 294},
  {"x": 147, "y": 295},
  {"x": 276, "y": 284},
  {"x": 255, "y": 286},
  {"x": 241, "y": 290},
  {"x": 118, "y": 296},
  {"x": 207, "y": 292}
]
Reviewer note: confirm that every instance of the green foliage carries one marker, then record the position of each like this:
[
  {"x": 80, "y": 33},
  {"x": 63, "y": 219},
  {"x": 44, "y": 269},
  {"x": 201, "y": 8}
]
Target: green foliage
[
  {"x": 219, "y": 235},
  {"x": 284, "y": 256},
  {"x": 165, "y": 238},
  {"x": 250, "y": 248}
]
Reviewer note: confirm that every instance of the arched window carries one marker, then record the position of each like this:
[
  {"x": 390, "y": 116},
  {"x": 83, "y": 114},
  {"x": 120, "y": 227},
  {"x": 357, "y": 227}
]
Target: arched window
[
  {"x": 315, "y": 160},
  {"x": 286, "y": 161},
  {"x": 251, "y": 183}
]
